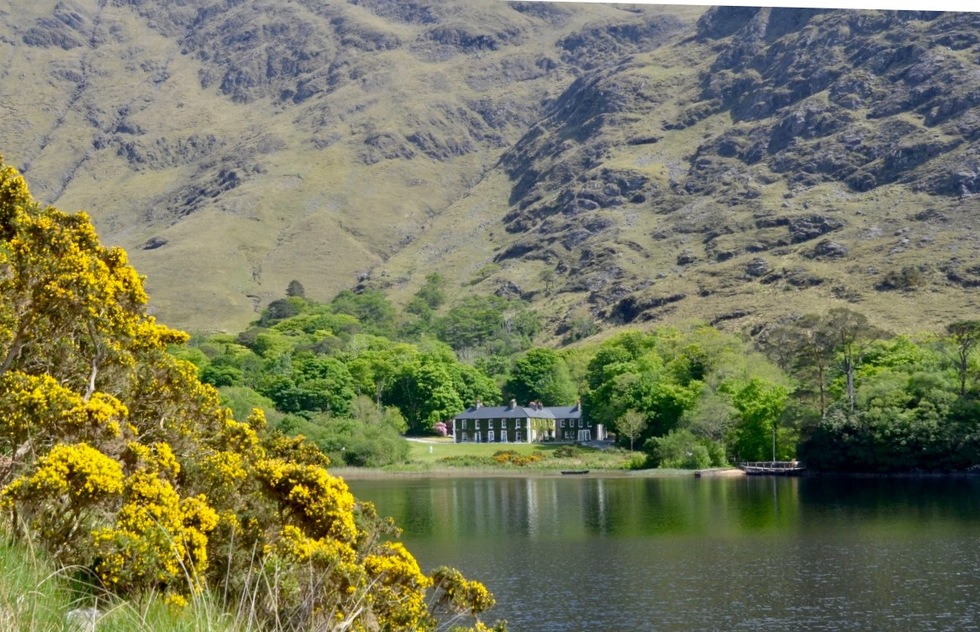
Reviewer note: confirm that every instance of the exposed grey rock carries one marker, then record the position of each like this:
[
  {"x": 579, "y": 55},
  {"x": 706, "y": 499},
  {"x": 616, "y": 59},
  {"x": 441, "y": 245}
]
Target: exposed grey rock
[
  {"x": 758, "y": 268},
  {"x": 154, "y": 242},
  {"x": 66, "y": 29},
  {"x": 801, "y": 278},
  {"x": 806, "y": 228},
  {"x": 634, "y": 307},
  {"x": 686, "y": 257},
  {"x": 509, "y": 289},
  {"x": 827, "y": 249}
]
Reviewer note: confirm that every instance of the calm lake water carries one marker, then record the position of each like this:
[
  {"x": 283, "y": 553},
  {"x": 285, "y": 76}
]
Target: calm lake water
[{"x": 626, "y": 554}]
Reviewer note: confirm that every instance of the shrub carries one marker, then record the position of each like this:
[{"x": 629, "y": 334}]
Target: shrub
[
  {"x": 568, "y": 452},
  {"x": 682, "y": 449},
  {"x": 116, "y": 459}
]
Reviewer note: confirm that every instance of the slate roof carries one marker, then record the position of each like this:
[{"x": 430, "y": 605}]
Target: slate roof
[
  {"x": 505, "y": 412},
  {"x": 566, "y": 412}
]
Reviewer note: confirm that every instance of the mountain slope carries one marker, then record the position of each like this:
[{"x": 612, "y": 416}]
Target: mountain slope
[
  {"x": 771, "y": 162},
  {"x": 608, "y": 162},
  {"x": 234, "y": 146}
]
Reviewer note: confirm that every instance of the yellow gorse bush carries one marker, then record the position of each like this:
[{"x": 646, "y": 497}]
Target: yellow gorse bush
[
  {"x": 116, "y": 458},
  {"x": 158, "y": 538},
  {"x": 76, "y": 474}
]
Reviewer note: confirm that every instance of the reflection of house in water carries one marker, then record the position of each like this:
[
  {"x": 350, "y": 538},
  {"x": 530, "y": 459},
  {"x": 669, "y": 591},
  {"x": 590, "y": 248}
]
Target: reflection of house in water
[{"x": 524, "y": 424}]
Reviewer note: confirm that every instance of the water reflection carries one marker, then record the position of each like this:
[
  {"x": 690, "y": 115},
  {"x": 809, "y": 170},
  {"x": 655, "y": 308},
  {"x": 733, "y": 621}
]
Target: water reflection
[{"x": 566, "y": 553}]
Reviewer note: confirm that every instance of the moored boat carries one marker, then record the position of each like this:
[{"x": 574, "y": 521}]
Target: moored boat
[{"x": 773, "y": 468}]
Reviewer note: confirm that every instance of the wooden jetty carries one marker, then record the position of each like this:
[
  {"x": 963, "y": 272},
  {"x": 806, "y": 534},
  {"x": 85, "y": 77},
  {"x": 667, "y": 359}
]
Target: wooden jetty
[
  {"x": 772, "y": 468},
  {"x": 718, "y": 472},
  {"x": 574, "y": 472}
]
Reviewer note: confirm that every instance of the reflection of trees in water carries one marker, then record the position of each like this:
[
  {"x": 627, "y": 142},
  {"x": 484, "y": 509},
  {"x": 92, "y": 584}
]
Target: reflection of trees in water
[
  {"x": 751, "y": 552},
  {"x": 577, "y": 509}
]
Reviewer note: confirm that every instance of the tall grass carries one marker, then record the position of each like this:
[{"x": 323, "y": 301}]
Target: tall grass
[{"x": 37, "y": 596}]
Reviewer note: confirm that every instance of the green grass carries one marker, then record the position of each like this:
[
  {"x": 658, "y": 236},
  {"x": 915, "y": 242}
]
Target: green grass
[
  {"x": 443, "y": 453},
  {"x": 37, "y": 596}
]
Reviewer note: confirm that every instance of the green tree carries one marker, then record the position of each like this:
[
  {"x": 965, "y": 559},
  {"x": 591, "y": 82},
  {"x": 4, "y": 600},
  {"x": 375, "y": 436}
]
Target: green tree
[
  {"x": 295, "y": 288},
  {"x": 755, "y": 435},
  {"x": 630, "y": 372},
  {"x": 472, "y": 385},
  {"x": 376, "y": 369},
  {"x": 425, "y": 394},
  {"x": 366, "y": 411},
  {"x": 371, "y": 308},
  {"x": 433, "y": 293},
  {"x": 490, "y": 324},
  {"x": 806, "y": 348},
  {"x": 681, "y": 449},
  {"x": 850, "y": 333},
  {"x": 222, "y": 374},
  {"x": 281, "y": 309},
  {"x": 631, "y": 425},
  {"x": 541, "y": 374},
  {"x": 965, "y": 335},
  {"x": 712, "y": 417}
]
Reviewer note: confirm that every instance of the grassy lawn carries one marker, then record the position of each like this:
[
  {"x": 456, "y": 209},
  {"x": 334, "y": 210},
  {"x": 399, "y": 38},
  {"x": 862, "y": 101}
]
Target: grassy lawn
[
  {"x": 443, "y": 452},
  {"x": 432, "y": 452}
]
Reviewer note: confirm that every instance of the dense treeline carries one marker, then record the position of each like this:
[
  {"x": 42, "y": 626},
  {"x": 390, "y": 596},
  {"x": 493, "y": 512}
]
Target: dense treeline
[
  {"x": 354, "y": 374},
  {"x": 829, "y": 388},
  {"x": 867, "y": 401},
  {"x": 120, "y": 463}
]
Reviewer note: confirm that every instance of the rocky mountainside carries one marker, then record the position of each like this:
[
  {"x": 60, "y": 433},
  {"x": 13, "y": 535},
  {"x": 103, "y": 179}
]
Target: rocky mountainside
[{"x": 613, "y": 163}]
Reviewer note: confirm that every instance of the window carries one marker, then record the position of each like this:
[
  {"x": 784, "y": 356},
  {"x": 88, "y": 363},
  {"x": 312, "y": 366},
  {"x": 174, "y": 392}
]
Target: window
[
  {"x": 562, "y": 423},
  {"x": 579, "y": 423},
  {"x": 490, "y": 436},
  {"x": 477, "y": 424},
  {"x": 517, "y": 436},
  {"x": 517, "y": 423},
  {"x": 464, "y": 424},
  {"x": 476, "y": 437},
  {"x": 503, "y": 436}
]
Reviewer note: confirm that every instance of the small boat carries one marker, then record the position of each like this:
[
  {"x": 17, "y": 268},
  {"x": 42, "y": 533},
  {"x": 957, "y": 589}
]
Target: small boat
[
  {"x": 574, "y": 472},
  {"x": 772, "y": 468}
]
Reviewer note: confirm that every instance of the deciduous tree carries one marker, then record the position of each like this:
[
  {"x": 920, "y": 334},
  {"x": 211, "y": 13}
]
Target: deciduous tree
[
  {"x": 965, "y": 335},
  {"x": 541, "y": 375},
  {"x": 631, "y": 425}
]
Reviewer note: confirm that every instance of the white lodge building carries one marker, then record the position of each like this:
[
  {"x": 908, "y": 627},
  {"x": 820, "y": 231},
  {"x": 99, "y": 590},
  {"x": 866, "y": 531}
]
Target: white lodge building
[{"x": 524, "y": 424}]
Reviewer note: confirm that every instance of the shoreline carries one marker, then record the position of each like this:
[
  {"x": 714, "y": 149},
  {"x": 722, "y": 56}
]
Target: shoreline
[{"x": 367, "y": 473}]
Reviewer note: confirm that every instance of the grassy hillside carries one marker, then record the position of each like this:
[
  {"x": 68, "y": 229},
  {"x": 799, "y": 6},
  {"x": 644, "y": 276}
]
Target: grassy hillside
[{"x": 615, "y": 163}]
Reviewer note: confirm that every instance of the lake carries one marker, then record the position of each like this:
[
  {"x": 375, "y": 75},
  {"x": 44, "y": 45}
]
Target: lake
[{"x": 680, "y": 553}]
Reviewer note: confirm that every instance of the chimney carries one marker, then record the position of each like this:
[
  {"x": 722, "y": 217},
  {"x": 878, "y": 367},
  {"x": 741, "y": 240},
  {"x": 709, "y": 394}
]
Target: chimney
[
  {"x": 512, "y": 405},
  {"x": 479, "y": 405}
]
